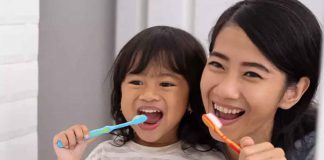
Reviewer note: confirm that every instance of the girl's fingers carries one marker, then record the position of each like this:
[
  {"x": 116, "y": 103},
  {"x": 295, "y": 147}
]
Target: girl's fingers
[
  {"x": 85, "y": 130},
  {"x": 78, "y": 133},
  {"x": 71, "y": 138},
  {"x": 63, "y": 138}
]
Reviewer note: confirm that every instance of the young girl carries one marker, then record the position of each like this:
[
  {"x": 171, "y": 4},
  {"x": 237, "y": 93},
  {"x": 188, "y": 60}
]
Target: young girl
[
  {"x": 157, "y": 73},
  {"x": 260, "y": 78}
]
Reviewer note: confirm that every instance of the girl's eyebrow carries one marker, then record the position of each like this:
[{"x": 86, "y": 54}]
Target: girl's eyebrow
[
  {"x": 169, "y": 75},
  {"x": 162, "y": 74}
]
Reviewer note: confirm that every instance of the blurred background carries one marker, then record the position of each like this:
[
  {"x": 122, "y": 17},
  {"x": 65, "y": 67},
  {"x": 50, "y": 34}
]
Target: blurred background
[{"x": 55, "y": 57}]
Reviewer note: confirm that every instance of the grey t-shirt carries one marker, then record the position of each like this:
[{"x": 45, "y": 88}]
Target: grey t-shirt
[
  {"x": 134, "y": 151},
  {"x": 304, "y": 148}
]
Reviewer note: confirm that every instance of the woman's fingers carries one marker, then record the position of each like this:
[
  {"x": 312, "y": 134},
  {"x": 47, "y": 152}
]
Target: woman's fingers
[
  {"x": 256, "y": 148},
  {"x": 260, "y": 151},
  {"x": 273, "y": 153},
  {"x": 246, "y": 141}
]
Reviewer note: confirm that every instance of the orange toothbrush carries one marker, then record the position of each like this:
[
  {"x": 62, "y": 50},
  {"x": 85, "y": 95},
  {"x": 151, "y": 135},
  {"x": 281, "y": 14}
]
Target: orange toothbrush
[{"x": 212, "y": 122}]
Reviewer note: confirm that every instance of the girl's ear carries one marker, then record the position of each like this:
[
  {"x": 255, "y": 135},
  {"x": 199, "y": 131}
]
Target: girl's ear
[{"x": 294, "y": 92}]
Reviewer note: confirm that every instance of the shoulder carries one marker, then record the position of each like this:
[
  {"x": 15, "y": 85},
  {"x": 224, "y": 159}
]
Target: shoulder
[
  {"x": 303, "y": 148},
  {"x": 105, "y": 148},
  {"x": 99, "y": 150},
  {"x": 200, "y": 152}
]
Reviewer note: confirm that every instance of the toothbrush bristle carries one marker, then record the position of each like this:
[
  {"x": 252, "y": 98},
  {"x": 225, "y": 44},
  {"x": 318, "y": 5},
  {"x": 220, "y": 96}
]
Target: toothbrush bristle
[
  {"x": 208, "y": 122},
  {"x": 139, "y": 119},
  {"x": 214, "y": 120}
]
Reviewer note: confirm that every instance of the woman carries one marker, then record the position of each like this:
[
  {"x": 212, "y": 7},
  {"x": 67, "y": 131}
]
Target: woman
[{"x": 261, "y": 76}]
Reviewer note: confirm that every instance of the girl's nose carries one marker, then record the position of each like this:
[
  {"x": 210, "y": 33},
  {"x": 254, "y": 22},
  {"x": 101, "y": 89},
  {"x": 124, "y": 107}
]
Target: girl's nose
[
  {"x": 227, "y": 88},
  {"x": 149, "y": 94}
]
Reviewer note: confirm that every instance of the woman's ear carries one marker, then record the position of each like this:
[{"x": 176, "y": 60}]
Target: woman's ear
[{"x": 294, "y": 92}]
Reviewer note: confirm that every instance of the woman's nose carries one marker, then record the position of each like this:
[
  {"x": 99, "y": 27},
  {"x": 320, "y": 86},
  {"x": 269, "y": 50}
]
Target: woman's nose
[{"x": 228, "y": 88}]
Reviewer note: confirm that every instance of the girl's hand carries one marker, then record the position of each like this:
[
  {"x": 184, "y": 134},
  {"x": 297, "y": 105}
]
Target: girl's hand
[
  {"x": 73, "y": 141},
  {"x": 261, "y": 151}
]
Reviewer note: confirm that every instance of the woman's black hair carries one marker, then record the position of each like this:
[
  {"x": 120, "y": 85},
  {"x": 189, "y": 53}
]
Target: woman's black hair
[
  {"x": 176, "y": 50},
  {"x": 288, "y": 35}
]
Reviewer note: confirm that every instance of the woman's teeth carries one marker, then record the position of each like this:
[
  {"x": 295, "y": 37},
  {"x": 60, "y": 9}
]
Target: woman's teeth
[{"x": 227, "y": 110}]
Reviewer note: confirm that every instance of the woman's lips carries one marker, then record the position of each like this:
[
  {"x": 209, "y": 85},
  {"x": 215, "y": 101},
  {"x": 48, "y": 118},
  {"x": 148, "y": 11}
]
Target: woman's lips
[
  {"x": 226, "y": 120},
  {"x": 227, "y": 116}
]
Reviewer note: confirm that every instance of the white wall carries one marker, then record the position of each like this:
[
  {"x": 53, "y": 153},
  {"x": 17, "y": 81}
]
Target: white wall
[
  {"x": 18, "y": 79},
  {"x": 320, "y": 121}
]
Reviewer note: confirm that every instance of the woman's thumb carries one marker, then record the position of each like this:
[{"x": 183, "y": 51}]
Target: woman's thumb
[{"x": 246, "y": 141}]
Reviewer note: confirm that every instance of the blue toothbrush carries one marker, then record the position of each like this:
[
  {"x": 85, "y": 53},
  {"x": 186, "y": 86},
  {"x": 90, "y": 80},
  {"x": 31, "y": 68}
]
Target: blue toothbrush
[{"x": 100, "y": 131}]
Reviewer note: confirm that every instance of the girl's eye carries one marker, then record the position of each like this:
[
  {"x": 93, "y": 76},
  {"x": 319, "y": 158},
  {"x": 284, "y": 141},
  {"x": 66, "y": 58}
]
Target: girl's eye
[
  {"x": 136, "y": 82},
  {"x": 216, "y": 64},
  {"x": 167, "y": 84},
  {"x": 253, "y": 75}
]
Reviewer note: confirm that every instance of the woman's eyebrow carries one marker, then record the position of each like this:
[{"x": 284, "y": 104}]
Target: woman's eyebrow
[
  {"x": 248, "y": 64},
  {"x": 256, "y": 65},
  {"x": 219, "y": 55}
]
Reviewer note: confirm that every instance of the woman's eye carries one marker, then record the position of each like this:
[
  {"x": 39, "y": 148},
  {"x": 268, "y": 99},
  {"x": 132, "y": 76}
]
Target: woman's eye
[
  {"x": 253, "y": 75},
  {"x": 167, "y": 84},
  {"x": 136, "y": 82},
  {"x": 216, "y": 64}
]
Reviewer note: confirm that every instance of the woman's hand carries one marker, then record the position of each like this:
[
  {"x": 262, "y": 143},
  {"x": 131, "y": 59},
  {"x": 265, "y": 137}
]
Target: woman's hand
[
  {"x": 73, "y": 141},
  {"x": 260, "y": 151}
]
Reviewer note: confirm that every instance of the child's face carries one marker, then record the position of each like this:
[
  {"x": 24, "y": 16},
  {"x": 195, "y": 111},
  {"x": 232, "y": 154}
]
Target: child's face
[
  {"x": 241, "y": 86},
  {"x": 162, "y": 96}
]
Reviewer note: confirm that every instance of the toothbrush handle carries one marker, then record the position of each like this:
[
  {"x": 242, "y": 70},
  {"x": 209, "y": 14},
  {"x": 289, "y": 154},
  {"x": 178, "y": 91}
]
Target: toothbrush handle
[
  {"x": 98, "y": 132},
  {"x": 92, "y": 134},
  {"x": 229, "y": 142}
]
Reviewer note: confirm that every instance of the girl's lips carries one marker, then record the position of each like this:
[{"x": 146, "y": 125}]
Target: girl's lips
[
  {"x": 154, "y": 115},
  {"x": 146, "y": 126}
]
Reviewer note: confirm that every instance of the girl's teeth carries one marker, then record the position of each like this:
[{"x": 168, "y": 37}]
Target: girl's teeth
[{"x": 149, "y": 110}]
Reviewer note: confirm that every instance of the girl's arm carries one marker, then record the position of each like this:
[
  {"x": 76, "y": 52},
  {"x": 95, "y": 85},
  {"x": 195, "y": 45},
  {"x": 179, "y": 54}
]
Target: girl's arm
[{"x": 73, "y": 142}]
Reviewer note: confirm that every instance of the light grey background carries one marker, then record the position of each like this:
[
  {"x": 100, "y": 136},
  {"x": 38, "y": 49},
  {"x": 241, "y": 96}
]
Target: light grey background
[
  {"x": 78, "y": 41},
  {"x": 76, "y": 49}
]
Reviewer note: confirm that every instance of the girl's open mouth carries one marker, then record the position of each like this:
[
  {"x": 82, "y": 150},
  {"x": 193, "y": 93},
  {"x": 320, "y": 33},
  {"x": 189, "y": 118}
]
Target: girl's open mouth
[{"x": 154, "y": 115}]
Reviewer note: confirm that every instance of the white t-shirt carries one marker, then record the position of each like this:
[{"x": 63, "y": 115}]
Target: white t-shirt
[{"x": 131, "y": 150}]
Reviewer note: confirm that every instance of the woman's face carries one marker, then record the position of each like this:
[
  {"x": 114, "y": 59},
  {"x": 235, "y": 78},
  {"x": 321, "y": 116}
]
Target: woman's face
[{"x": 241, "y": 87}]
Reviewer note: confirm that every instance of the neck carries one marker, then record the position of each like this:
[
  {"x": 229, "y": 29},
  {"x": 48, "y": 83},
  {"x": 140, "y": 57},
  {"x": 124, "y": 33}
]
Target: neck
[{"x": 138, "y": 140}]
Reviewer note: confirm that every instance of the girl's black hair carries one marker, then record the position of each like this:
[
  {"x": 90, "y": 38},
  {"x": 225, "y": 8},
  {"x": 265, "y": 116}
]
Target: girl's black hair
[
  {"x": 288, "y": 34},
  {"x": 176, "y": 50}
]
